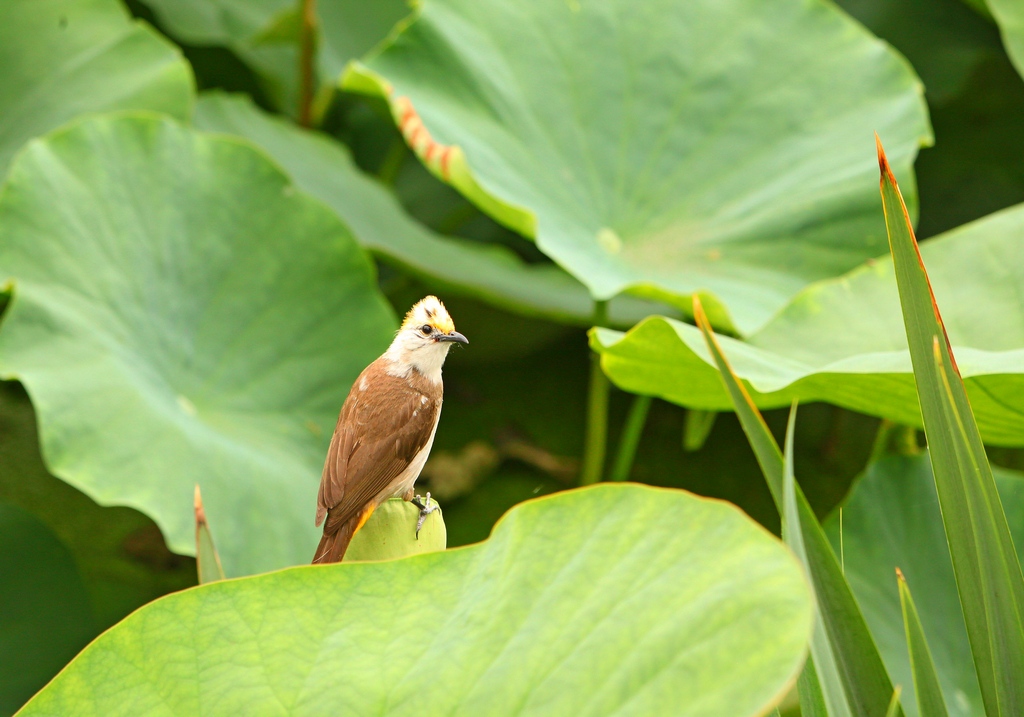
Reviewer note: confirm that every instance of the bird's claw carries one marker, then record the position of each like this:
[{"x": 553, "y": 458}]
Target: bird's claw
[{"x": 425, "y": 510}]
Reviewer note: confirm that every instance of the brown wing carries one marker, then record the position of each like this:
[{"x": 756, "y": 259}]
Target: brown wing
[{"x": 379, "y": 432}]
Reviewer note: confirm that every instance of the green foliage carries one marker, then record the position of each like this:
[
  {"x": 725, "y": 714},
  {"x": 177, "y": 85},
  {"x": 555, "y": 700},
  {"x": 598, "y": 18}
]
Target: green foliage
[
  {"x": 943, "y": 39},
  {"x": 1010, "y": 16},
  {"x": 842, "y": 340},
  {"x": 848, "y": 674},
  {"x": 119, "y": 552},
  {"x": 825, "y": 690},
  {"x": 618, "y": 139},
  {"x": 325, "y": 170},
  {"x": 265, "y": 35},
  {"x": 926, "y": 682},
  {"x": 989, "y": 577},
  {"x": 189, "y": 285},
  {"x": 159, "y": 348},
  {"x": 208, "y": 565},
  {"x": 696, "y": 626},
  {"x": 63, "y": 58},
  {"x": 891, "y": 520}
]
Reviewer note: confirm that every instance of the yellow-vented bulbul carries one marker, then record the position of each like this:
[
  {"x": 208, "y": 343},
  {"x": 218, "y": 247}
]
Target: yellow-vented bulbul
[{"x": 386, "y": 428}]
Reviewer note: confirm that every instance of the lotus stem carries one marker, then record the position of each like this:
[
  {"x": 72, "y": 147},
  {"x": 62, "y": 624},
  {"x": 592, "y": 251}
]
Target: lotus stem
[
  {"x": 595, "y": 444},
  {"x": 631, "y": 433},
  {"x": 307, "y": 43}
]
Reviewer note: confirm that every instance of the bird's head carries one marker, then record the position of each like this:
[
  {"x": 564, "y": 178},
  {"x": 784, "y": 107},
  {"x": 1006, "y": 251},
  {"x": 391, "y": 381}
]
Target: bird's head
[{"x": 425, "y": 337}]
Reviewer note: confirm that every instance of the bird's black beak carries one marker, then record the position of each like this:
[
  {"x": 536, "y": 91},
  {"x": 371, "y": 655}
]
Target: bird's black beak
[{"x": 454, "y": 336}]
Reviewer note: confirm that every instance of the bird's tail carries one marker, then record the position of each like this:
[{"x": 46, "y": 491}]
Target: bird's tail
[{"x": 334, "y": 544}]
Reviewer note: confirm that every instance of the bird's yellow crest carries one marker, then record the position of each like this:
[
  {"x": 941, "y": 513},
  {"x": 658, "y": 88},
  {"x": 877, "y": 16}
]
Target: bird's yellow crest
[{"x": 429, "y": 310}]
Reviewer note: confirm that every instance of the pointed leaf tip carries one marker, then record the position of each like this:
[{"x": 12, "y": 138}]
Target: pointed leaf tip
[
  {"x": 198, "y": 503},
  {"x": 208, "y": 565},
  {"x": 698, "y": 311},
  {"x": 883, "y": 162}
]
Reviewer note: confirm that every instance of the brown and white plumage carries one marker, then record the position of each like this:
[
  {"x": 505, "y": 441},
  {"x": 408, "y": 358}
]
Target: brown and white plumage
[{"x": 386, "y": 427}]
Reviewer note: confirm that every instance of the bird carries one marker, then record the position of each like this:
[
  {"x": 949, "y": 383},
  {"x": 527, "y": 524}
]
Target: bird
[{"x": 385, "y": 429}]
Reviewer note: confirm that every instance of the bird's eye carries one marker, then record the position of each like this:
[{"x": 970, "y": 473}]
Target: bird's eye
[{"x": 427, "y": 329}]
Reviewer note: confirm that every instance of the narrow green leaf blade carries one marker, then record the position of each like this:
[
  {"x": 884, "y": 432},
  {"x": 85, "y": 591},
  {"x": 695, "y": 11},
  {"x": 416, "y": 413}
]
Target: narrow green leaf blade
[
  {"x": 826, "y": 668},
  {"x": 866, "y": 681},
  {"x": 812, "y": 701},
  {"x": 926, "y": 680},
  {"x": 766, "y": 450},
  {"x": 208, "y": 564},
  {"x": 894, "y": 703},
  {"x": 988, "y": 574}
]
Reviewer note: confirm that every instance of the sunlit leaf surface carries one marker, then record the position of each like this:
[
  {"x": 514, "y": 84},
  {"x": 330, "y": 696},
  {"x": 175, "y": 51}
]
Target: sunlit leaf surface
[
  {"x": 665, "y": 147},
  {"x": 611, "y": 600},
  {"x": 843, "y": 341},
  {"x": 180, "y": 312}
]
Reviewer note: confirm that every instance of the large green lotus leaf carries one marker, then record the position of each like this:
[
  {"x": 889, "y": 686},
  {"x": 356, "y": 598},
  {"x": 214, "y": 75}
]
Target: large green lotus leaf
[
  {"x": 45, "y": 617},
  {"x": 63, "y": 58},
  {"x": 182, "y": 315},
  {"x": 119, "y": 552},
  {"x": 1009, "y": 14},
  {"x": 891, "y": 519},
  {"x": 619, "y": 599},
  {"x": 843, "y": 341},
  {"x": 324, "y": 169},
  {"x": 666, "y": 147}
]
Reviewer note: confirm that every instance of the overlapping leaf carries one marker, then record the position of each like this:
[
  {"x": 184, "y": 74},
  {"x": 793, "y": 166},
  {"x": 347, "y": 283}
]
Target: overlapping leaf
[
  {"x": 843, "y": 341},
  {"x": 180, "y": 313},
  {"x": 619, "y": 599},
  {"x": 265, "y": 34},
  {"x": 119, "y": 553},
  {"x": 324, "y": 169},
  {"x": 846, "y": 674},
  {"x": 822, "y": 683},
  {"x": 943, "y": 39},
  {"x": 926, "y": 682},
  {"x": 1010, "y": 16},
  {"x": 63, "y": 58},
  {"x": 664, "y": 148}
]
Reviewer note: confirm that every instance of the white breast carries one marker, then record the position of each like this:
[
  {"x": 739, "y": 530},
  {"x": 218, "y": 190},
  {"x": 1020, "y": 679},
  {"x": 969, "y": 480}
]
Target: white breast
[{"x": 407, "y": 478}]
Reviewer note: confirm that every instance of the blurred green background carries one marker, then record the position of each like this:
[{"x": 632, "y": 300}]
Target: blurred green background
[{"x": 514, "y": 417}]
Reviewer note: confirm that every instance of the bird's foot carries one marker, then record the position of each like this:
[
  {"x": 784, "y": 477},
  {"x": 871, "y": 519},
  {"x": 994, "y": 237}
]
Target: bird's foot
[{"x": 426, "y": 508}]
